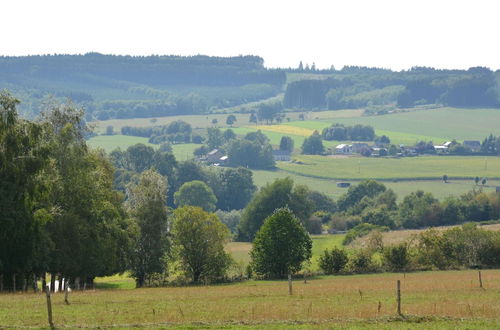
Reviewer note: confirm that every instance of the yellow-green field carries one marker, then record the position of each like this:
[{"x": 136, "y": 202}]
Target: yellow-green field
[
  {"x": 431, "y": 167},
  {"x": 443, "y": 300}
]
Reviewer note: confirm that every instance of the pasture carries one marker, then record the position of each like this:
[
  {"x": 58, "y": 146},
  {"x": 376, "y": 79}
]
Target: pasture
[
  {"x": 421, "y": 167},
  {"x": 438, "y": 188},
  {"x": 111, "y": 142},
  {"x": 446, "y": 299}
]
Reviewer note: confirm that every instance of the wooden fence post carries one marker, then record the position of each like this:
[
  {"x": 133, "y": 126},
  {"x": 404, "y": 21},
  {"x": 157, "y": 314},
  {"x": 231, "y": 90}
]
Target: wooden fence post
[
  {"x": 289, "y": 284},
  {"x": 49, "y": 307},
  {"x": 480, "y": 281},
  {"x": 399, "y": 297},
  {"x": 66, "y": 291}
]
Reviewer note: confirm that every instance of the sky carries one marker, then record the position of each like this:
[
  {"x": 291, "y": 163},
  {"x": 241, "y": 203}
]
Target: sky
[{"x": 395, "y": 34}]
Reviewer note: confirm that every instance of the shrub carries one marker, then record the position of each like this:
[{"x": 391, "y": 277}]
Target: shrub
[
  {"x": 397, "y": 257},
  {"x": 334, "y": 261}
]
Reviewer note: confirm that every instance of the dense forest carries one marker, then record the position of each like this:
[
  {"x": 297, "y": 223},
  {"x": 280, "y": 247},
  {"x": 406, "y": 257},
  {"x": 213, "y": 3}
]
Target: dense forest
[
  {"x": 125, "y": 86},
  {"x": 109, "y": 86}
]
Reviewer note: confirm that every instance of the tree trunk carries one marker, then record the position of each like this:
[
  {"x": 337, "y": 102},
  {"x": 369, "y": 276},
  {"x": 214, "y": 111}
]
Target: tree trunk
[
  {"x": 44, "y": 281},
  {"x": 1, "y": 282},
  {"x": 52, "y": 282},
  {"x": 77, "y": 283},
  {"x": 14, "y": 282},
  {"x": 35, "y": 283},
  {"x": 60, "y": 284},
  {"x": 25, "y": 283}
]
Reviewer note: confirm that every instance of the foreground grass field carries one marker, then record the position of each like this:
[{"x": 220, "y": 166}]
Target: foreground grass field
[{"x": 430, "y": 299}]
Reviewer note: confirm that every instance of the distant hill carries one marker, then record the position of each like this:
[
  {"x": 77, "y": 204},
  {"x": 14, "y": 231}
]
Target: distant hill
[
  {"x": 126, "y": 87},
  {"x": 110, "y": 87}
]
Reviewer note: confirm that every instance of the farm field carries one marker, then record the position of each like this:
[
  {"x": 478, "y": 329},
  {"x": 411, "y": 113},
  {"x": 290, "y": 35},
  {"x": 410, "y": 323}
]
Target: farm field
[
  {"x": 445, "y": 300},
  {"x": 438, "y": 188},
  {"x": 111, "y": 142},
  {"x": 421, "y": 167},
  {"x": 446, "y": 123}
]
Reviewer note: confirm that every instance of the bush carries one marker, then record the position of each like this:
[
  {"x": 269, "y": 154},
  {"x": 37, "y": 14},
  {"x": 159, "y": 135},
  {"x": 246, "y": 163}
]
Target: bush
[
  {"x": 314, "y": 225},
  {"x": 334, "y": 261},
  {"x": 397, "y": 257},
  {"x": 361, "y": 262}
]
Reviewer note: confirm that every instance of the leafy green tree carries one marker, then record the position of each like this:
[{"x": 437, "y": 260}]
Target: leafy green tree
[
  {"x": 230, "y": 120},
  {"x": 147, "y": 205},
  {"x": 139, "y": 157},
  {"x": 233, "y": 187},
  {"x": 196, "y": 193},
  {"x": 281, "y": 245},
  {"x": 215, "y": 138},
  {"x": 333, "y": 261},
  {"x": 89, "y": 230},
  {"x": 419, "y": 209},
  {"x": 228, "y": 135},
  {"x": 313, "y": 145},
  {"x": 22, "y": 159},
  {"x": 199, "y": 238},
  {"x": 280, "y": 193},
  {"x": 286, "y": 143},
  {"x": 355, "y": 194},
  {"x": 250, "y": 154}
]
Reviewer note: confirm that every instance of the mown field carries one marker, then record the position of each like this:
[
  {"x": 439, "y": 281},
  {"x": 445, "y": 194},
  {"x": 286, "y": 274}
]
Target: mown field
[
  {"x": 444, "y": 300},
  {"x": 423, "y": 167},
  {"x": 111, "y": 142},
  {"x": 438, "y": 188}
]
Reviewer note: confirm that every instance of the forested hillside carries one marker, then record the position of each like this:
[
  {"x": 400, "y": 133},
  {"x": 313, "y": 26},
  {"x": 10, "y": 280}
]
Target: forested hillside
[
  {"x": 110, "y": 87},
  {"x": 359, "y": 87},
  {"x": 129, "y": 87}
]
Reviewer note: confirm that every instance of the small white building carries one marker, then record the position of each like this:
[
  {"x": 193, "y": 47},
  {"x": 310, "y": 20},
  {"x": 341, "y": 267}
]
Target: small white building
[{"x": 343, "y": 149}]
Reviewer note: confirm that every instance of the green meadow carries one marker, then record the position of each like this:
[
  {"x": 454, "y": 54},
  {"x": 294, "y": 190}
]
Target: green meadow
[
  {"x": 421, "y": 167},
  {"x": 402, "y": 188}
]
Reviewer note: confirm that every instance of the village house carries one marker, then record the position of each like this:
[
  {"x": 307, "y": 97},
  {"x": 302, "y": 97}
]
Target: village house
[
  {"x": 214, "y": 156},
  {"x": 343, "y": 149}
]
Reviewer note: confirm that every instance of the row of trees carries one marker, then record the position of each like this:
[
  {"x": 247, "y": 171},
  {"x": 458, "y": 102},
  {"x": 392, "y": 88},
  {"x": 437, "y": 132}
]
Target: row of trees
[
  {"x": 339, "y": 132},
  {"x": 456, "y": 248},
  {"x": 372, "y": 203}
]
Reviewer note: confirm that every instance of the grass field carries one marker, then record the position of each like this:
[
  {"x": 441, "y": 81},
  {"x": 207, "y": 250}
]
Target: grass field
[
  {"x": 447, "y": 300},
  {"x": 111, "y": 142},
  {"x": 402, "y": 188},
  {"x": 431, "y": 167}
]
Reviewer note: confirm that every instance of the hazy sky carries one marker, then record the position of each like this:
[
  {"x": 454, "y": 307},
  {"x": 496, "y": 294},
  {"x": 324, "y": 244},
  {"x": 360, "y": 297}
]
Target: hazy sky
[{"x": 395, "y": 34}]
